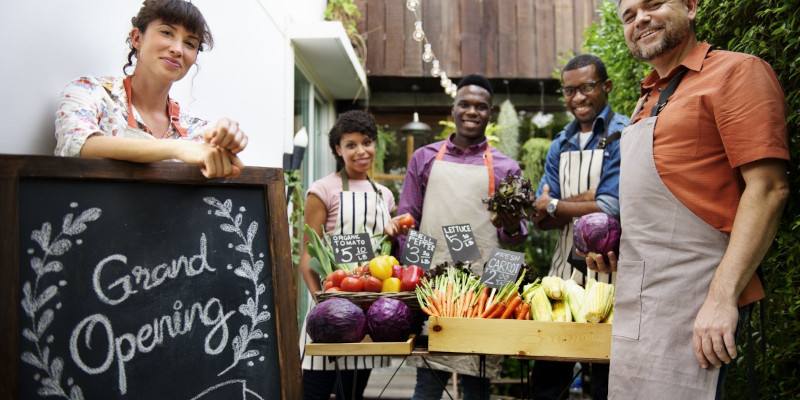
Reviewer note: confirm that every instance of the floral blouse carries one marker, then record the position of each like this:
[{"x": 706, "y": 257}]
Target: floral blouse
[{"x": 98, "y": 105}]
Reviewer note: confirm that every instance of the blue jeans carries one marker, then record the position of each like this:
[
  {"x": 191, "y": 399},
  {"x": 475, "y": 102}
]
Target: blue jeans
[{"x": 429, "y": 388}]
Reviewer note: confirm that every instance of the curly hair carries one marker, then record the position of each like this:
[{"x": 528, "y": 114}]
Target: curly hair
[
  {"x": 176, "y": 12},
  {"x": 349, "y": 122}
]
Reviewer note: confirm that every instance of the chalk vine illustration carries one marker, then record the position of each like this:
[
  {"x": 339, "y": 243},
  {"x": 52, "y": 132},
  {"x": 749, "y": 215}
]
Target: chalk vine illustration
[
  {"x": 35, "y": 301},
  {"x": 249, "y": 269}
]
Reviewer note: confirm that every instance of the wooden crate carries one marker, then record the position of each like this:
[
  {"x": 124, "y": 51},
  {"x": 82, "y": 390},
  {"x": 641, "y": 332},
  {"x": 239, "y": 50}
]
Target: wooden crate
[
  {"x": 565, "y": 341},
  {"x": 364, "y": 348}
]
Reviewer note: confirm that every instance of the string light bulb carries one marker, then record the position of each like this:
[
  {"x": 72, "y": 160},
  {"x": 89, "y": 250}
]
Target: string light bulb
[
  {"x": 427, "y": 55},
  {"x": 418, "y": 34},
  {"x": 435, "y": 69},
  {"x": 412, "y": 5},
  {"x": 443, "y": 81}
]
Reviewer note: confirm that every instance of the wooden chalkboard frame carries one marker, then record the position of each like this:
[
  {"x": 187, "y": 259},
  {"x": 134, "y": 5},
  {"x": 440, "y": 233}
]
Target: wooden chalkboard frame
[{"x": 16, "y": 167}]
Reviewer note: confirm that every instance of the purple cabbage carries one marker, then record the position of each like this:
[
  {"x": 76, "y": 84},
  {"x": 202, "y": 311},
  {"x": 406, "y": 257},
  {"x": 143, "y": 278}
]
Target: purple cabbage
[
  {"x": 596, "y": 234},
  {"x": 336, "y": 320},
  {"x": 389, "y": 320}
]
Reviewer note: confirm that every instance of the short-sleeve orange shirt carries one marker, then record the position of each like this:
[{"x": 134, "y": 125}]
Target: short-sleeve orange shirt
[{"x": 728, "y": 110}]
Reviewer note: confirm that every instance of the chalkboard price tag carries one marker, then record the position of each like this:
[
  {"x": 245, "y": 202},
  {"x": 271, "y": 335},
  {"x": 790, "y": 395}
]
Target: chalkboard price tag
[
  {"x": 461, "y": 242},
  {"x": 418, "y": 250},
  {"x": 352, "y": 248},
  {"x": 503, "y": 267}
]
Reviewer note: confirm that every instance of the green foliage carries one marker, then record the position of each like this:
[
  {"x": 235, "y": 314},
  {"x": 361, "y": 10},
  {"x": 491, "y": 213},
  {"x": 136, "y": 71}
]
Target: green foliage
[
  {"x": 508, "y": 130},
  {"x": 768, "y": 29},
  {"x": 605, "y": 39},
  {"x": 534, "y": 153},
  {"x": 383, "y": 145},
  {"x": 347, "y": 12}
]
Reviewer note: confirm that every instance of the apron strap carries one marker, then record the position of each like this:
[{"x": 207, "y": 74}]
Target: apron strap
[
  {"x": 346, "y": 183},
  {"x": 487, "y": 161},
  {"x": 173, "y": 110},
  {"x": 663, "y": 98}
]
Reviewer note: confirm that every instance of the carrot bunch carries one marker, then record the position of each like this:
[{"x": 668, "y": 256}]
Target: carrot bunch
[
  {"x": 507, "y": 303},
  {"x": 458, "y": 293},
  {"x": 452, "y": 294}
]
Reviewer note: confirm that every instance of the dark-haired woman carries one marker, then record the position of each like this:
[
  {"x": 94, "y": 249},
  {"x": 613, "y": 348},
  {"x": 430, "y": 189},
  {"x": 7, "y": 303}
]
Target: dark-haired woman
[
  {"x": 107, "y": 117},
  {"x": 344, "y": 202}
]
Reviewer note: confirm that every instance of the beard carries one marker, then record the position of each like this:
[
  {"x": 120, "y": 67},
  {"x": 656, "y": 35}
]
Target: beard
[{"x": 675, "y": 33}]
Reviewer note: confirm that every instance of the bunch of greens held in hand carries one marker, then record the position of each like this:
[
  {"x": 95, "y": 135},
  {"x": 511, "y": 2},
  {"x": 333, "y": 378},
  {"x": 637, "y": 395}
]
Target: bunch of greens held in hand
[{"x": 515, "y": 196}]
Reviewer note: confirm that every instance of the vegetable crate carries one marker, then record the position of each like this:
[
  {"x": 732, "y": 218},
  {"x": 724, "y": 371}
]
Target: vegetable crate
[
  {"x": 364, "y": 348},
  {"x": 560, "y": 341}
]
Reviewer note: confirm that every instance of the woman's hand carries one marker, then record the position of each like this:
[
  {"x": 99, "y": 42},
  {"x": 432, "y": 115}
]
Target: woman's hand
[
  {"x": 399, "y": 225},
  {"x": 214, "y": 161},
  {"x": 226, "y": 134}
]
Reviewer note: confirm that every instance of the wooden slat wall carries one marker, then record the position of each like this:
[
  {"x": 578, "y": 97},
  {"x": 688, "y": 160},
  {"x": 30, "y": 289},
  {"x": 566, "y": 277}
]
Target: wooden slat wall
[{"x": 496, "y": 38}]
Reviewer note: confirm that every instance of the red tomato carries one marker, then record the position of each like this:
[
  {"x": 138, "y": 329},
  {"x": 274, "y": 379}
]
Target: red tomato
[
  {"x": 406, "y": 220},
  {"x": 328, "y": 285},
  {"x": 397, "y": 271},
  {"x": 351, "y": 284},
  {"x": 333, "y": 289},
  {"x": 337, "y": 277},
  {"x": 328, "y": 278},
  {"x": 372, "y": 284}
]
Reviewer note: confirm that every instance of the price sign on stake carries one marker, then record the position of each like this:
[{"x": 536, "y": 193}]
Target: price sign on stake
[
  {"x": 503, "y": 267},
  {"x": 352, "y": 248},
  {"x": 418, "y": 250},
  {"x": 461, "y": 242}
]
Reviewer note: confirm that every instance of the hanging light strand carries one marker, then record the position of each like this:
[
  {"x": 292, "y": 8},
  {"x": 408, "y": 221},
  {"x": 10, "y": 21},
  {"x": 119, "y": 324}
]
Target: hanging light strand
[{"x": 428, "y": 55}]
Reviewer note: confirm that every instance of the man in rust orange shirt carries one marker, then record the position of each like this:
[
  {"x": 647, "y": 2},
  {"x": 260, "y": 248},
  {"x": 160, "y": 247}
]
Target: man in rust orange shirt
[{"x": 703, "y": 184}]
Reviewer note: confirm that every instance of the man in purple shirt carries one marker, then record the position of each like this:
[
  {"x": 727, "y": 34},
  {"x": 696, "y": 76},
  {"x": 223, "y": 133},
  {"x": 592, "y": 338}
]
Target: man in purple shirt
[{"x": 445, "y": 184}]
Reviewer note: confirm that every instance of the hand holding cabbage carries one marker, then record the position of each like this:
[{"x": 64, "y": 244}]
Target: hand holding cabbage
[{"x": 596, "y": 236}]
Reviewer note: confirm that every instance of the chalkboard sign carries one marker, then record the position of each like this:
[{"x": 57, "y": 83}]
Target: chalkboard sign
[
  {"x": 352, "y": 248},
  {"x": 418, "y": 250},
  {"x": 461, "y": 242},
  {"x": 502, "y": 267},
  {"x": 145, "y": 282}
]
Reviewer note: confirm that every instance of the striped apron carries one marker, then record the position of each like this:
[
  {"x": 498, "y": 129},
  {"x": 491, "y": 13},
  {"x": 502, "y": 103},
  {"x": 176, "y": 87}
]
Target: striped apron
[{"x": 578, "y": 171}]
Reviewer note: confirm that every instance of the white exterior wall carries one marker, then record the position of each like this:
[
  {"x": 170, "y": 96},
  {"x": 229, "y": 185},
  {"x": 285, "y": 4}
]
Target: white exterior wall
[{"x": 247, "y": 76}]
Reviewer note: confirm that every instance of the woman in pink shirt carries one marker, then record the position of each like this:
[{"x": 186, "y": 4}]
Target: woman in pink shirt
[{"x": 345, "y": 202}]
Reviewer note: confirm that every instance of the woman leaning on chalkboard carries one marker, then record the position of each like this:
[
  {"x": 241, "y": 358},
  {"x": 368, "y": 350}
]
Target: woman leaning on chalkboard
[
  {"x": 345, "y": 202},
  {"x": 108, "y": 117}
]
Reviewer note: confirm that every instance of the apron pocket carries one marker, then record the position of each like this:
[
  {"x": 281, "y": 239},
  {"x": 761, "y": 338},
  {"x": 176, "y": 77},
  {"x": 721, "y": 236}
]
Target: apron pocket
[{"x": 628, "y": 299}]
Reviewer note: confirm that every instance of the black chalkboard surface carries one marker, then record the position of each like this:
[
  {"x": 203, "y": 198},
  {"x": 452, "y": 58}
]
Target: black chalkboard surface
[{"x": 163, "y": 286}]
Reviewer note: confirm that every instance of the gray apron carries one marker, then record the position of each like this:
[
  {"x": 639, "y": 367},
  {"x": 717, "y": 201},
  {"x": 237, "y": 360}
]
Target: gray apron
[
  {"x": 454, "y": 196},
  {"x": 668, "y": 256}
]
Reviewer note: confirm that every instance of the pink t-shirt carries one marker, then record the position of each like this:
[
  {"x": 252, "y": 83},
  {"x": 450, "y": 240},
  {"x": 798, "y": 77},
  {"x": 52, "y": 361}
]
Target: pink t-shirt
[{"x": 329, "y": 187}]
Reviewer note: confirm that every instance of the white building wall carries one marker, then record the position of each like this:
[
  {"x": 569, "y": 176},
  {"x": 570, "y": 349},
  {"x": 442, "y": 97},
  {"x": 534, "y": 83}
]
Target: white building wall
[{"x": 247, "y": 76}]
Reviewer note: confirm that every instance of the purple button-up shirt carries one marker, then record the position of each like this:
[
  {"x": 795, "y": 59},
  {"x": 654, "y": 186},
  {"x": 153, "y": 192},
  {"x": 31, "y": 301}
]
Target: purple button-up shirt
[{"x": 419, "y": 168}]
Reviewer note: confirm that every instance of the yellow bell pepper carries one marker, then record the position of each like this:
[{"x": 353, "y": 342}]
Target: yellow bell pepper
[
  {"x": 391, "y": 284},
  {"x": 380, "y": 267}
]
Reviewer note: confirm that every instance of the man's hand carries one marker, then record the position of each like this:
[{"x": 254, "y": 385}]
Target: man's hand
[
  {"x": 543, "y": 200},
  {"x": 714, "y": 329},
  {"x": 509, "y": 222},
  {"x": 599, "y": 264}
]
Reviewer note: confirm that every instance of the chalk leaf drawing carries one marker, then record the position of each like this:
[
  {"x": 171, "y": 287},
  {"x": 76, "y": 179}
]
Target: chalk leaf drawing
[
  {"x": 249, "y": 269},
  {"x": 36, "y": 301}
]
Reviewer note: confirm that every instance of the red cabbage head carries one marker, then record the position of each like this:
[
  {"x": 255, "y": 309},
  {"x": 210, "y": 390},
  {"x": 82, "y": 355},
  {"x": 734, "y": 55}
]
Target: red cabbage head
[{"x": 596, "y": 234}]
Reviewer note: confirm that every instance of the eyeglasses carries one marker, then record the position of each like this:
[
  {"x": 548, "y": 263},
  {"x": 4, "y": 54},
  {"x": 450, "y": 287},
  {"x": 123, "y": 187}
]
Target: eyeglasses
[{"x": 586, "y": 88}]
